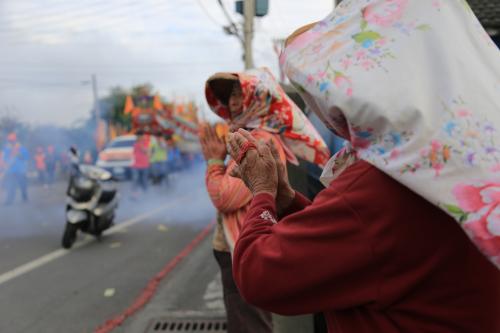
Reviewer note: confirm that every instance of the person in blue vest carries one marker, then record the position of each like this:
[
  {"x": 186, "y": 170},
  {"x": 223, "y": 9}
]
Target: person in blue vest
[{"x": 15, "y": 158}]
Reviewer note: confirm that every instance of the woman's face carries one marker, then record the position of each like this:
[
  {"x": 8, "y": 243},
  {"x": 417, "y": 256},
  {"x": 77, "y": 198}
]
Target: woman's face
[{"x": 236, "y": 101}]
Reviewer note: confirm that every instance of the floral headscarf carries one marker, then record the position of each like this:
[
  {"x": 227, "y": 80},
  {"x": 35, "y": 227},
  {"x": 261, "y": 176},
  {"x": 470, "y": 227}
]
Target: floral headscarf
[
  {"x": 266, "y": 106},
  {"x": 417, "y": 86}
]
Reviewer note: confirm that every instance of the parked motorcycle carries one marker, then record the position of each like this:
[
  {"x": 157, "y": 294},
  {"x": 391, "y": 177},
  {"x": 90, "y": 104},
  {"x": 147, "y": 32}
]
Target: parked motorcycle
[{"x": 92, "y": 199}]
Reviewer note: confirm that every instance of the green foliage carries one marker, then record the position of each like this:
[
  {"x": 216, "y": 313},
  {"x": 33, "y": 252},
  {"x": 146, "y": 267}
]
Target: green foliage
[
  {"x": 12, "y": 124},
  {"x": 145, "y": 89},
  {"x": 115, "y": 102}
]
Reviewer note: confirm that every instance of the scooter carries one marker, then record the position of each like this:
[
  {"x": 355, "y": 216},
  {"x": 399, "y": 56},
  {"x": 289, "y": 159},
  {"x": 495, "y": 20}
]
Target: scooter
[{"x": 91, "y": 202}]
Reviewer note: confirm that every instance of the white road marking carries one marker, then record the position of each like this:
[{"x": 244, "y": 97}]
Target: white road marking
[
  {"x": 110, "y": 292},
  {"x": 214, "y": 298},
  {"x": 162, "y": 228},
  {"x": 216, "y": 305},
  {"x": 115, "y": 245},
  {"x": 23, "y": 269},
  {"x": 32, "y": 265}
]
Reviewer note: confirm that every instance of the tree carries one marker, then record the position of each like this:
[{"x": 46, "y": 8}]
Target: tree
[
  {"x": 114, "y": 103},
  {"x": 10, "y": 124}
]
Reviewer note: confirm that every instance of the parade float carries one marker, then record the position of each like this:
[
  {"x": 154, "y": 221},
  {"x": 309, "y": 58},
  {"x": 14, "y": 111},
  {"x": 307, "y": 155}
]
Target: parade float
[{"x": 176, "y": 121}]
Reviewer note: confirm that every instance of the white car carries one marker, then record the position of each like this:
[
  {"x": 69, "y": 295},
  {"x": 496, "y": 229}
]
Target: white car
[{"x": 118, "y": 156}]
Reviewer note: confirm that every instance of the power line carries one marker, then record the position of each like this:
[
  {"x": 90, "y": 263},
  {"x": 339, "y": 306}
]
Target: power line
[
  {"x": 47, "y": 18},
  {"x": 94, "y": 8},
  {"x": 207, "y": 13},
  {"x": 234, "y": 30},
  {"x": 49, "y": 67},
  {"x": 44, "y": 10},
  {"x": 123, "y": 13}
]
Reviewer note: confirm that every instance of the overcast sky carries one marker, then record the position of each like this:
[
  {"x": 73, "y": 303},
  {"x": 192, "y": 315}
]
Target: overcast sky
[{"x": 48, "y": 47}]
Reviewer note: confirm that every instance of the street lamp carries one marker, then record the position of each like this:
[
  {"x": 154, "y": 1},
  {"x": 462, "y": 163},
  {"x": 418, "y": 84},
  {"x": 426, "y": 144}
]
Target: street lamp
[
  {"x": 93, "y": 82},
  {"x": 97, "y": 109}
]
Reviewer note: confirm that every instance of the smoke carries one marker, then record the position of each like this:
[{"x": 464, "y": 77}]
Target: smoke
[
  {"x": 33, "y": 137},
  {"x": 42, "y": 219},
  {"x": 185, "y": 198}
]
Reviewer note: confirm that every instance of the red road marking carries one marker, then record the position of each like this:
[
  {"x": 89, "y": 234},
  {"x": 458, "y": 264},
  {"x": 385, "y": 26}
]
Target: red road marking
[{"x": 152, "y": 285}]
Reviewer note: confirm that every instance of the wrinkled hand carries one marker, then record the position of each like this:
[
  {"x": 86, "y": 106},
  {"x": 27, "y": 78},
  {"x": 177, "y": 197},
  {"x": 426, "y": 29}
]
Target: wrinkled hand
[
  {"x": 212, "y": 146},
  {"x": 246, "y": 117},
  {"x": 258, "y": 168},
  {"x": 286, "y": 193}
]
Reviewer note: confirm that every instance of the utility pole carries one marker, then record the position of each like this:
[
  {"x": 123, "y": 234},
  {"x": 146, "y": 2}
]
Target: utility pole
[
  {"x": 96, "y": 98},
  {"x": 98, "y": 108},
  {"x": 249, "y": 13}
]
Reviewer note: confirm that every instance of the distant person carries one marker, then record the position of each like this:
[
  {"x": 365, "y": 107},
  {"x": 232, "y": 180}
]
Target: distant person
[
  {"x": 141, "y": 162},
  {"x": 158, "y": 158},
  {"x": 186, "y": 159},
  {"x": 2, "y": 163},
  {"x": 65, "y": 162},
  {"x": 174, "y": 156},
  {"x": 73, "y": 158},
  {"x": 16, "y": 159},
  {"x": 51, "y": 164},
  {"x": 40, "y": 165},
  {"x": 167, "y": 139},
  {"x": 87, "y": 158},
  {"x": 2, "y": 171}
]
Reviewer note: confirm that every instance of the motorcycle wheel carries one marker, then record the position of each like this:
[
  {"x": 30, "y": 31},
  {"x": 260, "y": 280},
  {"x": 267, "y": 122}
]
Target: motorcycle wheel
[
  {"x": 98, "y": 235},
  {"x": 109, "y": 222},
  {"x": 69, "y": 235}
]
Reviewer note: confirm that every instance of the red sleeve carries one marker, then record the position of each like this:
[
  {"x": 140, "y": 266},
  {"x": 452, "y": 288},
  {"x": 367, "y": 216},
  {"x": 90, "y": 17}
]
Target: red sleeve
[
  {"x": 299, "y": 202},
  {"x": 316, "y": 259}
]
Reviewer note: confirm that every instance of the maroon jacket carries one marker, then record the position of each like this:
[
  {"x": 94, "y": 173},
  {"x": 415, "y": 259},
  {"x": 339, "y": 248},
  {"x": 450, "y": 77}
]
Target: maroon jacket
[{"x": 370, "y": 254}]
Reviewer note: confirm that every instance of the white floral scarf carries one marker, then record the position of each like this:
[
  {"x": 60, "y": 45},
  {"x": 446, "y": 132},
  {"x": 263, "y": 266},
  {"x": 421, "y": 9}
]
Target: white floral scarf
[{"x": 417, "y": 84}]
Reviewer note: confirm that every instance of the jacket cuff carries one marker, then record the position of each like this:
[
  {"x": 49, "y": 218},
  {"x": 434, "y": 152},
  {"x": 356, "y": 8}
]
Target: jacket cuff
[
  {"x": 299, "y": 202},
  {"x": 263, "y": 206}
]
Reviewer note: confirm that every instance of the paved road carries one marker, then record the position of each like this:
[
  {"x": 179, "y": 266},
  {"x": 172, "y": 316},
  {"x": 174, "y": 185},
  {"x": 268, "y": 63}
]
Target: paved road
[{"x": 46, "y": 289}]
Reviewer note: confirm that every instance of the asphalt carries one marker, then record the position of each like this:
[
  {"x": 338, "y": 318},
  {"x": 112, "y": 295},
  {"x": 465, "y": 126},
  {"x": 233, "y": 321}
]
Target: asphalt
[
  {"x": 182, "y": 295},
  {"x": 45, "y": 289},
  {"x": 78, "y": 290}
]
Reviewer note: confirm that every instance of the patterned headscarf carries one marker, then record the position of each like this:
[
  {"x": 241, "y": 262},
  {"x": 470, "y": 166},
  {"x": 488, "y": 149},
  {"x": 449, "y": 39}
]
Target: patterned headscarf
[
  {"x": 266, "y": 106},
  {"x": 415, "y": 87}
]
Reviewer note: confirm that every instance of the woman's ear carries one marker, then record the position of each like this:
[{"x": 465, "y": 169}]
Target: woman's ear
[{"x": 299, "y": 32}]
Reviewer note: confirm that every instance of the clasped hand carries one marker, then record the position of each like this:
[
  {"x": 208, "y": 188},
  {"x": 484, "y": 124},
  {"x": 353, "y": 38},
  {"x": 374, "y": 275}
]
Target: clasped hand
[{"x": 260, "y": 167}]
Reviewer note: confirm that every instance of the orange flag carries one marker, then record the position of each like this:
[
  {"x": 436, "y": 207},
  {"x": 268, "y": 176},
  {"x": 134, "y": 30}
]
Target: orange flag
[
  {"x": 179, "y": 109},
  {"x": 129, "y": 105},
  {"x": 157, "y": 105}
]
